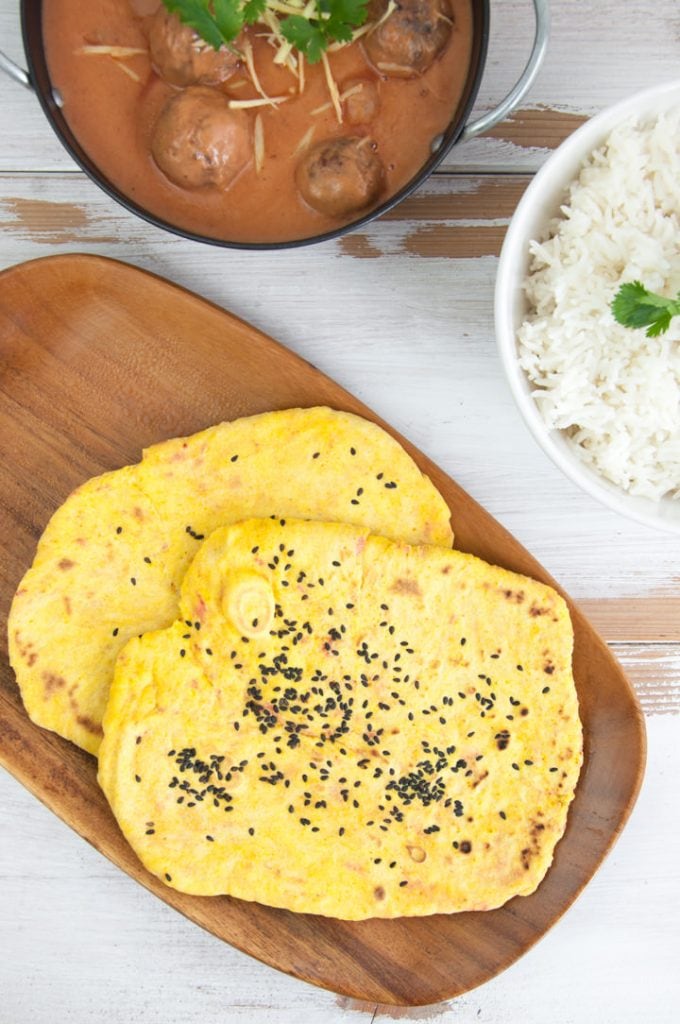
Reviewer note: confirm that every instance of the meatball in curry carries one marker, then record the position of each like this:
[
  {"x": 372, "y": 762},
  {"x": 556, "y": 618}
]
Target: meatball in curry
[
  {"x": 200, "y": 141},
  {"x": 409, "y": 40},
  {"x": 340, "y": 176},
  {"x": 182, "y": 58}
]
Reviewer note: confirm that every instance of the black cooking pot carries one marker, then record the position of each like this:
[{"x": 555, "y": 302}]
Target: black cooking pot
[{"x": 37, "y": 78}]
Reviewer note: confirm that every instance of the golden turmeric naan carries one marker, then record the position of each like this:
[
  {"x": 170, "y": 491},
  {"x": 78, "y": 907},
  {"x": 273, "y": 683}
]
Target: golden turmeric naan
[
  {"x": 344, "y": 725},
  {"x": 111, "y": 560}
]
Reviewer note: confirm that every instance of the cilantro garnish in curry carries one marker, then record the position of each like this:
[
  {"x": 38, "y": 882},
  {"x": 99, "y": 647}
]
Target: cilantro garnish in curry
[{"x": 310, "y": 27}]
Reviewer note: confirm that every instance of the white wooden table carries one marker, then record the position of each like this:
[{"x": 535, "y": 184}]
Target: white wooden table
[{"x": 407, "y": 325}]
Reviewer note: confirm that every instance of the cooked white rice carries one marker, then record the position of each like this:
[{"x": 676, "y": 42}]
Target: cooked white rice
[{"x": 613, "y": 391}]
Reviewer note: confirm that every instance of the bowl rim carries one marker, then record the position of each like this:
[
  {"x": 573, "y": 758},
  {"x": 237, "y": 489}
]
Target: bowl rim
[{"x": 514, "y": 254}]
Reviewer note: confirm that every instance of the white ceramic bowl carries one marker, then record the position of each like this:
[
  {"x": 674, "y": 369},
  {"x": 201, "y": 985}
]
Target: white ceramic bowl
[{"x": 539, "y": 204}]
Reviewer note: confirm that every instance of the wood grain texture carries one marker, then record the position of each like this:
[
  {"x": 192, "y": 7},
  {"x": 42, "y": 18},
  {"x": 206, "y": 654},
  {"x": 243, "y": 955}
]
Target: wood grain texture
[
  {"x": 656, "y": 619},
  {"x": 454, "y": 216},
  {"x": 76, "y": 402},
  {"x": 654, "y": 670}
]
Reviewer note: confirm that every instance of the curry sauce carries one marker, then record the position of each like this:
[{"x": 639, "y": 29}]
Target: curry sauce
[{"x": 113, "y": 99}]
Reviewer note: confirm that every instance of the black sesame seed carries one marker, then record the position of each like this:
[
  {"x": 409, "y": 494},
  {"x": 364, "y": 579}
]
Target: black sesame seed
[
  {"x": 115, "y": 632},
  {"x": 168, "y": 878},
  {"x": 133, "y": 581},
  {"x": 210, "y": 839}
]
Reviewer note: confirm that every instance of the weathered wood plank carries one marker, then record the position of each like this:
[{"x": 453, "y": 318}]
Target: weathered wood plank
[
  {"x": 654, "y": 671},
  {"x": 652, "y": 617},
  {"x": 452, "y": 216},
  {"x": 537, "y": 128},
  {"x": 463, "y": 198}
]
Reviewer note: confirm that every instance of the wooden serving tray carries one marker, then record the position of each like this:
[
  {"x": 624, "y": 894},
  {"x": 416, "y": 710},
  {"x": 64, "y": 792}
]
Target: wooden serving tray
[{"x": 98, "y": 360}]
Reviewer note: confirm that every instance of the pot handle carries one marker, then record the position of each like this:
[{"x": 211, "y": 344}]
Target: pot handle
[
  {"x": 522, "y": 86},
  {"x": 15, "y": 72}
]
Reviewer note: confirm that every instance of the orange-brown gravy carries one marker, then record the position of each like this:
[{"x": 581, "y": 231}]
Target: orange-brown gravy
[{"x": 112, "y": 113}]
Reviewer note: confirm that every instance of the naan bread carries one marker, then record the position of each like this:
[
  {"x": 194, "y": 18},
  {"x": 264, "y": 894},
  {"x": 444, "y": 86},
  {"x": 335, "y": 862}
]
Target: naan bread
[
  {"x": 112, "y": 558},
  {"x": 340, "y": 724}
]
